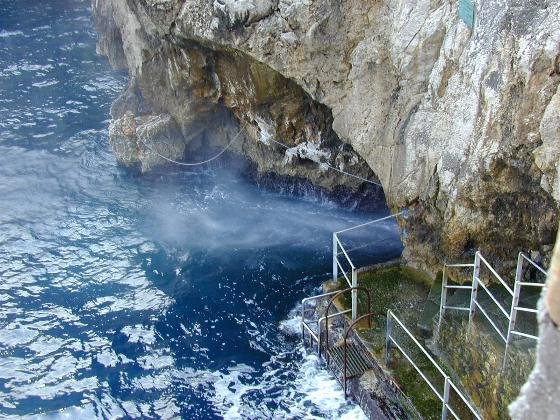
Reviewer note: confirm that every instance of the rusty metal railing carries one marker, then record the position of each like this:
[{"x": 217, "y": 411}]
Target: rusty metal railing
[
  {"x": 327, "y": 316},
  {"x": 350, "y": 328}
]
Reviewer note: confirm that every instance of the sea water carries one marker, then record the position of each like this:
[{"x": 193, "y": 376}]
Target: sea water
[{"x": 168, "y": 295}]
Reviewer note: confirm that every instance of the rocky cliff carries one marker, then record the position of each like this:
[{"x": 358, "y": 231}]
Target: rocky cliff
[{"x": 459, "y": 125}]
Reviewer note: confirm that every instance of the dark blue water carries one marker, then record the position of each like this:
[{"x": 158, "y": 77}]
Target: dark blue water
[{"x": 154, "y": 296}]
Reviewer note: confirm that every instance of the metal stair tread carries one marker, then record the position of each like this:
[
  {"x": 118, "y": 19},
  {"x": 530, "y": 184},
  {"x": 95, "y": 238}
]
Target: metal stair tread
[{"x": 358, "y": 361}]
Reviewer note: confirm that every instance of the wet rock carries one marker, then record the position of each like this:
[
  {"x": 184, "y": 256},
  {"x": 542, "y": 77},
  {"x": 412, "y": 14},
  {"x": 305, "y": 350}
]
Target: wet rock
[{"x": 144, "y": 140}]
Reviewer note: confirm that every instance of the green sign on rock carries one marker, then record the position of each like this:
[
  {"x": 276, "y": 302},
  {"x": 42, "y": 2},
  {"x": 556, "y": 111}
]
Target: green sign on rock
[{"x": 466, "y": 12}]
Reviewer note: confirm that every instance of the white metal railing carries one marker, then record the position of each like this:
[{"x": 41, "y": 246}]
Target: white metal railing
[
  {"x": 474, "y": 304},
  {"x": 443, "y": 395},
  {"x": 351, "y": 277},
  {"x": 519, "y": 283},
  {"x": 510, "y": 313},
  {"x": 352, "y": 280},
  {"x": 307, "y": 324},
  {"x": 445, "y": 287}
]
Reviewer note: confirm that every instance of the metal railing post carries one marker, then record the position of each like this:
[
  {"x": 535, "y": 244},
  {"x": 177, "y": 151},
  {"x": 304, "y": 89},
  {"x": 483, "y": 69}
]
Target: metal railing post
[
  {"x": 514, "y": 304},
  {"x": 444, "y": 409},
  {"x": 513, "y": 312},
  {"x": 443, "y": 300},
  {"x": 516, "y": 295},
  {"x": 448, "y": 385},
  {"x": 334, "y": 257},
  {"x": 355, "y": 294},
  {"x": 474, "y": 291},
  {"x": 319, "y": 338},
  {"x": 388, "y": 338},
  {"x": 303, "y": 322}
]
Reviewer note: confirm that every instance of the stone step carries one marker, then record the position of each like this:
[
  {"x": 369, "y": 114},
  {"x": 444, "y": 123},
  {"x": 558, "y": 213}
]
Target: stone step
[{"x": 430, "y": 311}]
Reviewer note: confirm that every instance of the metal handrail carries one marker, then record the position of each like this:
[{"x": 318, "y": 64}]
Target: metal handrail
[
  {"x": 498, "y": 304},
  {"x": 351, "y": 278},
  {"x": 353, "y": 281},
  {"x": 327, "y": 316},
  {"x": 515, "y": 301},
  {"x": 322, "y": 295},
  {"x": 371, "y": 222},
  {"x": 430, "y": 358},
  {"x": 467, "y": 403},
  {"x": 522, "y": 334},
  {"x": 304, "y": 324},
  {"x": 526, "y": 283},
  {"x": 504, "y": 338},
  {"x": 445, "y": 287},
  {"x": 475, "y": 304},
  {"x": 319, "y": 323},
  {"x": 351, "y": 328},
  {"x": 538, "y": 267},
  {"x": 317, "y": 336},
  {"x": 494, "y": 272},
  {"x": 344, "y": 272},
  {"x": 448, "y": 383},
  {"x": 458, "y": 265},
  {"x": 344, "y": 251}
]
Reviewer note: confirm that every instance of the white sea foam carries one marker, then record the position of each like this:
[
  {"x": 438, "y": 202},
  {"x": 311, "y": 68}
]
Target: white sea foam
[
  {"x": 108, "y": 358},
  {"x": 314, "y": 393},
  {"x": 6, "y": 34},
  {"x": 317, "y": 385},
  {"x": 291, "y": 326},
  {"x": 140, "y": 334},
  {"x": 45, "y": 83},
  {"x": 87, "y": 411}
]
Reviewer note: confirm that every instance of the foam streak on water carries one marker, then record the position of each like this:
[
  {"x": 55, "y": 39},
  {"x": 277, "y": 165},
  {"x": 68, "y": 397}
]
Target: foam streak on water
[{"x": 155, "y": 296}]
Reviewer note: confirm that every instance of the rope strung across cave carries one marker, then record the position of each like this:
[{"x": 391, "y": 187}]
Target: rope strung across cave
[
  {"x": 229, "y": 145},
  {"x": 194, "y": 163}
]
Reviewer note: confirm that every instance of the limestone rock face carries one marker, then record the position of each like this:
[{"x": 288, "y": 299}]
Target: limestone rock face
[
  {"x": 461, "y": 126},
  {"x": 547, "y": 155}
]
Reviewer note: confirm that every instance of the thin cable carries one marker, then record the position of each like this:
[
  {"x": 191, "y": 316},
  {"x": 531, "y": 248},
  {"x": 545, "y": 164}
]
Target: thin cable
[
  {"x": 229, "y": 145},
  {"x": 195, "y": 163},
  {"x": 332, "y": 167}
]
